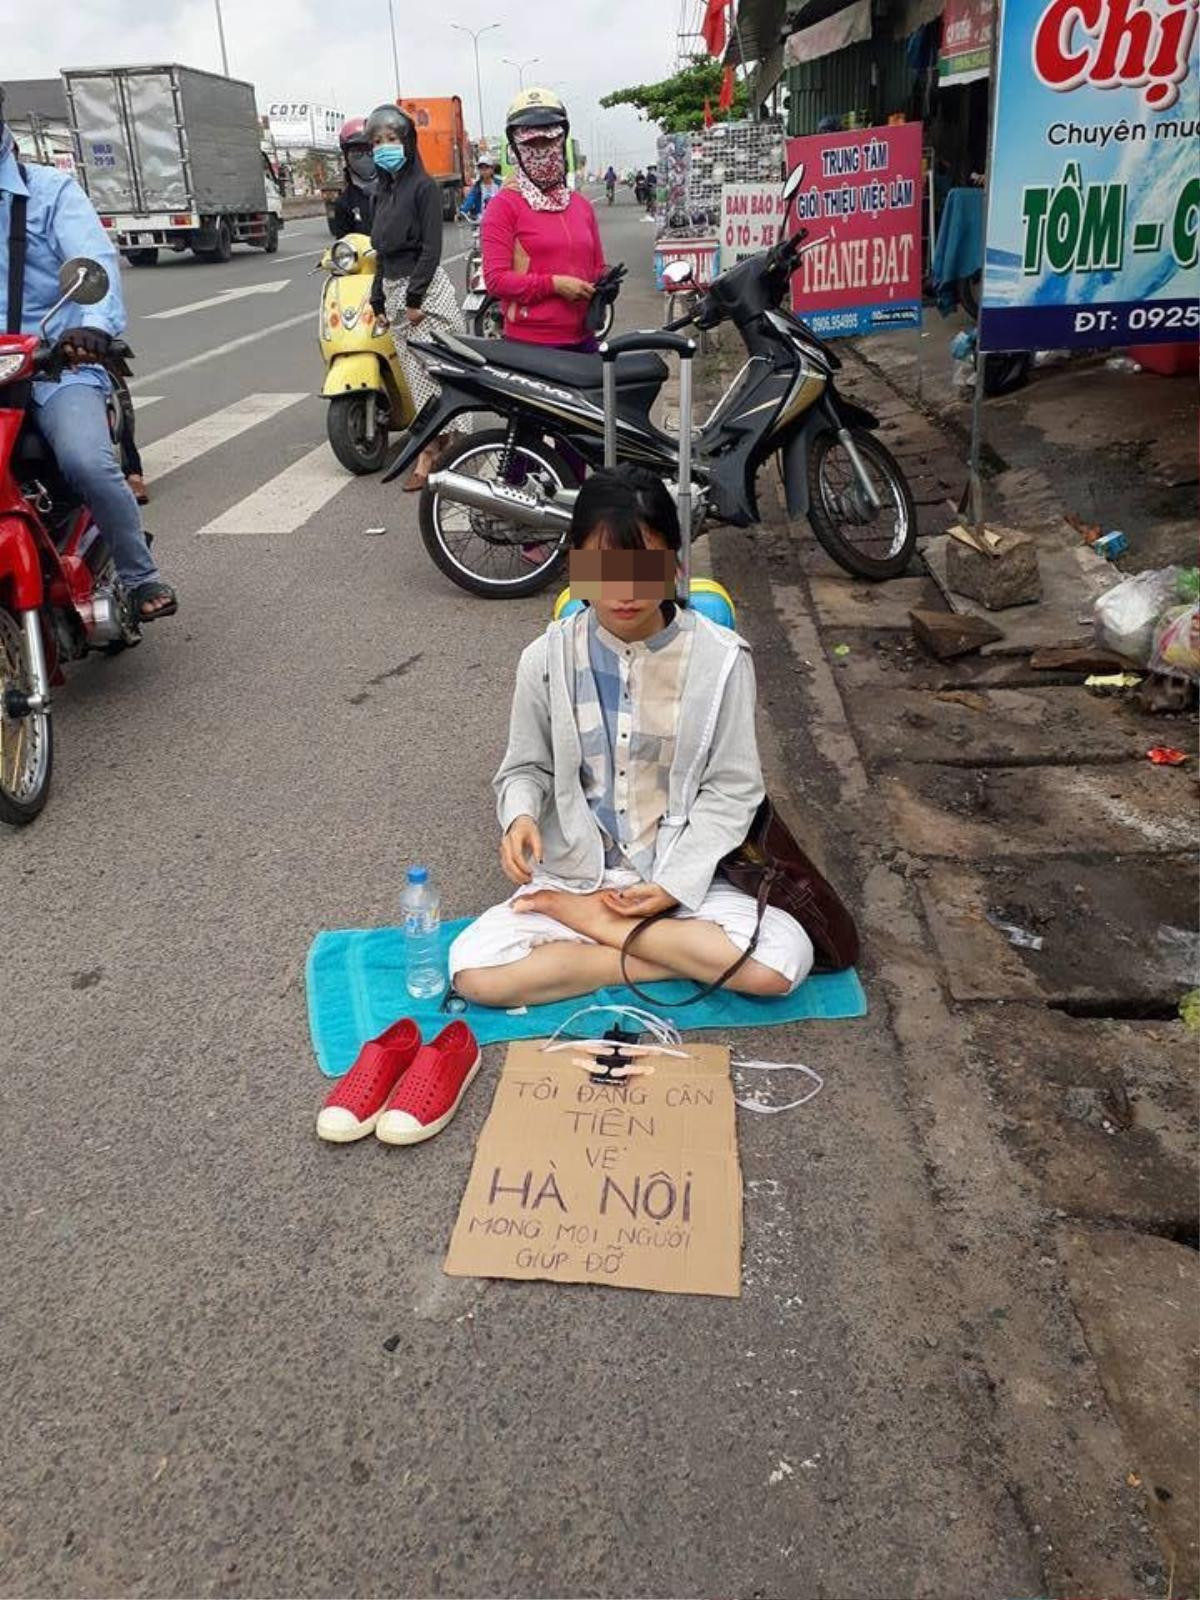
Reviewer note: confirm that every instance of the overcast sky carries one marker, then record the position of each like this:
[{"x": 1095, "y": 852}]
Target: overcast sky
[{"x": 339, "y": 51}]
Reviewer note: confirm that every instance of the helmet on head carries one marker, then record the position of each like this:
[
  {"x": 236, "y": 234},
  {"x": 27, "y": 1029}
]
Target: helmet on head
[
  {"x": 537, "y": 108},
  {"x": 399, "y": 122},
  {"x": 353, "y": 132}
]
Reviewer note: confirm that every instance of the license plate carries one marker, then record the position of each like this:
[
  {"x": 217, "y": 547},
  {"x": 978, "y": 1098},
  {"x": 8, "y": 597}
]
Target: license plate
[
  {"x": 475, "y": 301},
  {"x": 143, "y": 238}
]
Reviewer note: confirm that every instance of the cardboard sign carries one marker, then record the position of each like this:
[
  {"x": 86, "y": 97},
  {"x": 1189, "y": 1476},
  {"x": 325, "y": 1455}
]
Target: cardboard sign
[
  {"x": 636, "y": 1185},
  {"x": 750, "y": 218},
  {"x": 861, "y": 202},
  {"x": 1093, "y": 221}
]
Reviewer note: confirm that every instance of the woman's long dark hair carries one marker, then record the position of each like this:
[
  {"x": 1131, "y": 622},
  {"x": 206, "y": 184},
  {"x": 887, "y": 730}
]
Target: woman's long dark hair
[{"x": 624, "y": 501}]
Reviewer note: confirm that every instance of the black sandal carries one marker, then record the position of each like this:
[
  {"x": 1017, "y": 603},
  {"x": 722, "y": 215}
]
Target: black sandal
[{"x": 154, "y": 590}]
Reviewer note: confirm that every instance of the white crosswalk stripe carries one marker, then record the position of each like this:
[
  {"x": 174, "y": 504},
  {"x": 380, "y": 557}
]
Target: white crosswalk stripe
[
  {"x": 289, "y": 499},
  {"x": 141, "y": 401},
  {"x": 218, "y": 428}
]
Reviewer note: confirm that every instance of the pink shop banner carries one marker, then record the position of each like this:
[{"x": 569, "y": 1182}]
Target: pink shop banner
[{"x": 861, "y": 203}]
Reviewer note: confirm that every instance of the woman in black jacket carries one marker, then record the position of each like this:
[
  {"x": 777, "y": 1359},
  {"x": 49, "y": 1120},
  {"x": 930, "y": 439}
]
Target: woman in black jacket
[{"x": 411, "y": 287}]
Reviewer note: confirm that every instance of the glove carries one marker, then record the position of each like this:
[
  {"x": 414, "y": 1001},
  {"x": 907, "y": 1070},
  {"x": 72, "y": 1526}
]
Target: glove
[{"x": 84, "y": 345}]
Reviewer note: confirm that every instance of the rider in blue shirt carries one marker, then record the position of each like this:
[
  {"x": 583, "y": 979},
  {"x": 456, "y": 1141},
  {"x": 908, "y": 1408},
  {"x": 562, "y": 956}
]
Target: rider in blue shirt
[
  {"x": 71, "y": 414},
  {"x": 485, "y": 188}
]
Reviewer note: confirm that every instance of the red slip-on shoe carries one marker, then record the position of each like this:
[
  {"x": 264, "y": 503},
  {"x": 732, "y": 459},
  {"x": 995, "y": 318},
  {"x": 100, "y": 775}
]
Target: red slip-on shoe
[
  {"x": 355, "y": 1103},
  {"x": 431, "y": 1090}
]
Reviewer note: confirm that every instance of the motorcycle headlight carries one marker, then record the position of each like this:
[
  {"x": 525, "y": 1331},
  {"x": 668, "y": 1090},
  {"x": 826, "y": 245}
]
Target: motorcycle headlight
[
  {"x": 344, "y": 257},
  {"x": 11, "y": 364}
]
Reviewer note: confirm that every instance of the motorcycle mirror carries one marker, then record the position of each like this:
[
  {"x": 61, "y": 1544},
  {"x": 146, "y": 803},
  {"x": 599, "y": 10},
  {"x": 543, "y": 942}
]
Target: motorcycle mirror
[
  {"x": 677, "y": 273},
  {"x": 794, "y": 179},
  {"x": 82, "y": 280}
]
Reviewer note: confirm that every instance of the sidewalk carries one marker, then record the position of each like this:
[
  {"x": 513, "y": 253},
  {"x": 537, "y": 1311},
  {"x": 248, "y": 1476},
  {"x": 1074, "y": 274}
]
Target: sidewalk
[
  {"x": 1049, "y": 1091},
  {"x": 1110, "y": 447}
]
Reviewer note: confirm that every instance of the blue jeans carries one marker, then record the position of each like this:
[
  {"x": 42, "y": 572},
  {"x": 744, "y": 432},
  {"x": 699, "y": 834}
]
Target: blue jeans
[{"x": 74, "y": 423}]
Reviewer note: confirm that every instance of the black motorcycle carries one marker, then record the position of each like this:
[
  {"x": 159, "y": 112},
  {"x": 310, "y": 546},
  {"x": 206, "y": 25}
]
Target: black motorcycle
[{"x": 495, "y": 515}]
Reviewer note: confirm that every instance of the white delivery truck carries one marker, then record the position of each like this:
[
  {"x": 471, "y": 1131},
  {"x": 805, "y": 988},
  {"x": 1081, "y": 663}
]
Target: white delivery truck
[{"x": 172, "y": 157}]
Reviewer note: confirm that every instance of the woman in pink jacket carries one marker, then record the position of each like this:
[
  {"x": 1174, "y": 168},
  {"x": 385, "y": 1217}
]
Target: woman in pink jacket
[{"x": 541, "y": 246}]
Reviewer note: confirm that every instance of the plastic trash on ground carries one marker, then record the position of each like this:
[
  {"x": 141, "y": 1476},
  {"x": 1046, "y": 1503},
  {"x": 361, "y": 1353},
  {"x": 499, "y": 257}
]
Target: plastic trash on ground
[
  {"x": 1176, "y": 648},
  {"x": 1126, "y": 617}
]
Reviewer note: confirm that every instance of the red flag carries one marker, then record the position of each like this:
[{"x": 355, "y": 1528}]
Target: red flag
[
  {"x": 708, "y": 116},
  {"x": 713, "y": 26},
  {"x": 725, "y": 98}
]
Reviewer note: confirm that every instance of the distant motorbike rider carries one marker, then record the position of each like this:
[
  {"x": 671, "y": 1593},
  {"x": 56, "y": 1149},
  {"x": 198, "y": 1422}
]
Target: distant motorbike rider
[
  {"x": 355, "y": 206},
  {"x": 411, "y": 287},
  {"x": 542, "y": 254},
  {"x": 46, "y": 211},
  {"x": 485, "y": 189},
  {"x": 610, "y": 183}
]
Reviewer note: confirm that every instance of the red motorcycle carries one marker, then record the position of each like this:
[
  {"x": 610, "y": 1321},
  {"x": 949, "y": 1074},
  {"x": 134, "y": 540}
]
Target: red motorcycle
[{"x": 60, "y": 596}]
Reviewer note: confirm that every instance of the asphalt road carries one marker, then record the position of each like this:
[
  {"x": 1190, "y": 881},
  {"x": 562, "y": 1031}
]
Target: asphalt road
[{"x": 195, "y": 1389}]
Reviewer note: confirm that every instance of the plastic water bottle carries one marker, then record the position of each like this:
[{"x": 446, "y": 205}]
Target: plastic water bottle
[{"x": 421, "y": 920}]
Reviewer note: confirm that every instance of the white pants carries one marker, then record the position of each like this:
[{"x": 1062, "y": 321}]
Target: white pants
[{"x": 501, "y": 936}]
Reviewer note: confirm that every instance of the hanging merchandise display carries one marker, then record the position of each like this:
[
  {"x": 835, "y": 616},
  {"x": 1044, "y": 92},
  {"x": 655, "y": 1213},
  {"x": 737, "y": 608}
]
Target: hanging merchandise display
[
  {"x": 861, "y": 201},
  {"x": 1093, "y": 218}
]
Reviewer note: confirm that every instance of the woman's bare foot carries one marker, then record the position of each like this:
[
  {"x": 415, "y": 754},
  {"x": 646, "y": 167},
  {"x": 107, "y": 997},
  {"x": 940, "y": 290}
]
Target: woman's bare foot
[{"x": 583, "y": 913}]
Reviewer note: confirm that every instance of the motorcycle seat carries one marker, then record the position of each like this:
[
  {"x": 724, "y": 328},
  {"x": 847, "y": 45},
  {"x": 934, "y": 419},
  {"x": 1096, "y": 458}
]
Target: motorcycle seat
[{"x": 567, "y": 366}]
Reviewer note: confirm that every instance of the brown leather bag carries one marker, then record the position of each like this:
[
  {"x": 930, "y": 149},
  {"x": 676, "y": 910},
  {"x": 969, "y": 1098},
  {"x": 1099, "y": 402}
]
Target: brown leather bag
[{"x": 772, "y": 868}]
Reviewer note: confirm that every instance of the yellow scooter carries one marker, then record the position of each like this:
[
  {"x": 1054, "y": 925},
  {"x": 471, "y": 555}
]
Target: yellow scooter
[{"x": 364, "y": 384}]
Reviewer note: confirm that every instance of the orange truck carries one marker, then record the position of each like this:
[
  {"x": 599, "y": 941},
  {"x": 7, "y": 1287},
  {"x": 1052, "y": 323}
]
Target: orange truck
[{"x": 442, "y": 142}]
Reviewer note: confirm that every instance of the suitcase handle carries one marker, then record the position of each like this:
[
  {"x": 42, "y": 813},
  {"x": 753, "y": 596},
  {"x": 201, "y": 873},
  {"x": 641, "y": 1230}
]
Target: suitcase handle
[{"x": 625, "y": 342}]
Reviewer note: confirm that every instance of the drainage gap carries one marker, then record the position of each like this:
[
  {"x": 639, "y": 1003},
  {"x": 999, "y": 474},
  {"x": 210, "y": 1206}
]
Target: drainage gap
[{"x": 1120, "y": 1008}]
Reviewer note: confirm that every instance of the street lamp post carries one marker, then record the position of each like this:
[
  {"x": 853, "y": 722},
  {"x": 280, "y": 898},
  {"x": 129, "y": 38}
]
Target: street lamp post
[
  {"x": 476, "y": 34},
  {"x": 520, "y": 66},
  {"x": 395, "y": 52},
  {"x": 221, "y": 36}
]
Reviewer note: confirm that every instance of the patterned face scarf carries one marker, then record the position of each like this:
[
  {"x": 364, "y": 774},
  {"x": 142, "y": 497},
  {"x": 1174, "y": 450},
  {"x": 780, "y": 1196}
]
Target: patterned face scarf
[{"x": 541, "y": 168}]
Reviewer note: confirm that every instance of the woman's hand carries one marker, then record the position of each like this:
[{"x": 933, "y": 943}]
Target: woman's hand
[
  {"x": 415, "y": 316},
  {"x": 573, "y": 288},
  {"x": 519, "y": 844},
  {"x": 640, "y": 900}
]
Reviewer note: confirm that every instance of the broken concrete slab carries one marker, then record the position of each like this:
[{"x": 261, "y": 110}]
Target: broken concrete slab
[
  {"x": 1054, "y": 724},
  {"x": 1073, "y": 578},
  {"x": 846, "y": 602},
  {"x": 1101, "y": 1111},
  {"x": 946, "y": 634},
  {"x": 1000, "y": 570},
  {"x": 980, "y": 813},
  {"x": 1083, "y": 656},
  {"x": 1114, "y": 931},
  {"x": 1137, "y": 1298}
]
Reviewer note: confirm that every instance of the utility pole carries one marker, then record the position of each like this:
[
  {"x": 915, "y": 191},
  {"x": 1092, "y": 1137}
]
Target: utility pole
[
  {"x": 475, "y": 34},
  {"x": 520, "y": 66},
  {"x": 221, "y": 36},
  {"x": 395, "y": 52}
]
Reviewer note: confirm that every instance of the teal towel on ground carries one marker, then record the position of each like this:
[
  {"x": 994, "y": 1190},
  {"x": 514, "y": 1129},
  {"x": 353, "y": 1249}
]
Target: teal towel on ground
[{"x": 355, "y": 980}]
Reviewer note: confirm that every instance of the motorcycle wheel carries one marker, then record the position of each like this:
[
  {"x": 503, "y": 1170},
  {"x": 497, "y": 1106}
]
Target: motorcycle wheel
[
  {"x": 271, "y": 241},
  {"x": 488, "y": 321},
  {"x": 483, "y": 554},
  {"x": 968, "y": 295},
  {"x": 346, "y": 424},
  {"x": 869, "y": 544},
  {"x": 26, "y": 743}
]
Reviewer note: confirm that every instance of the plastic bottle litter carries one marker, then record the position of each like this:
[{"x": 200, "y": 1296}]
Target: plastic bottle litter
[{"x": 420, "y": 907}]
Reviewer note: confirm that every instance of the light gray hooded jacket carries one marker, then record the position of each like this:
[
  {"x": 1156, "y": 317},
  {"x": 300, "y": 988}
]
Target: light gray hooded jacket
[{"x": 715, "y": 784}]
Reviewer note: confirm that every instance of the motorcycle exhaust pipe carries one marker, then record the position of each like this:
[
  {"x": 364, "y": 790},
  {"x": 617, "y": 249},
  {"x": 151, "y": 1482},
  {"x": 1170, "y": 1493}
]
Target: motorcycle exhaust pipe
[{"x": 503, "y": 500}]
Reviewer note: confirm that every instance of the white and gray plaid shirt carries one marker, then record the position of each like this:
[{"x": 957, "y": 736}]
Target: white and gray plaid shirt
[{"x": 627, "y": 700}]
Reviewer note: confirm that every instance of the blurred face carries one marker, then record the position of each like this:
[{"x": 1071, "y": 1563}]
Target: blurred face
[
  {"x": 386, "y": 136},
  {"x": 626, "y": 588}
]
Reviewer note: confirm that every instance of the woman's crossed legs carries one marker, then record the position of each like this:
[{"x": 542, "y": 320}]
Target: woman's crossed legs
[{"x": 559, "y": 944}]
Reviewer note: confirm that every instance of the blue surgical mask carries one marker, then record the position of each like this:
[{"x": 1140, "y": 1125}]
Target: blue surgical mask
[{"x": 390, "y": 157}]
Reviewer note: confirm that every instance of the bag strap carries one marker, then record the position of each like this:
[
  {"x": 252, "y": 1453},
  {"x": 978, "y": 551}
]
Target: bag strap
[
  {"x": 705, "y": 989},
  {"x": 17, "y": 240}
]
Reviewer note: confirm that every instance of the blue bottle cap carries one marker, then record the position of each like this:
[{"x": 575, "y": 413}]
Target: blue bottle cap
[{"x": 418, "y": 874}]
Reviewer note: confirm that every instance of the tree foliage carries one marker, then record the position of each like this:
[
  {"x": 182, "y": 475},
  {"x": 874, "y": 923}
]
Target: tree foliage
[{"x": 677, "y": 104}]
